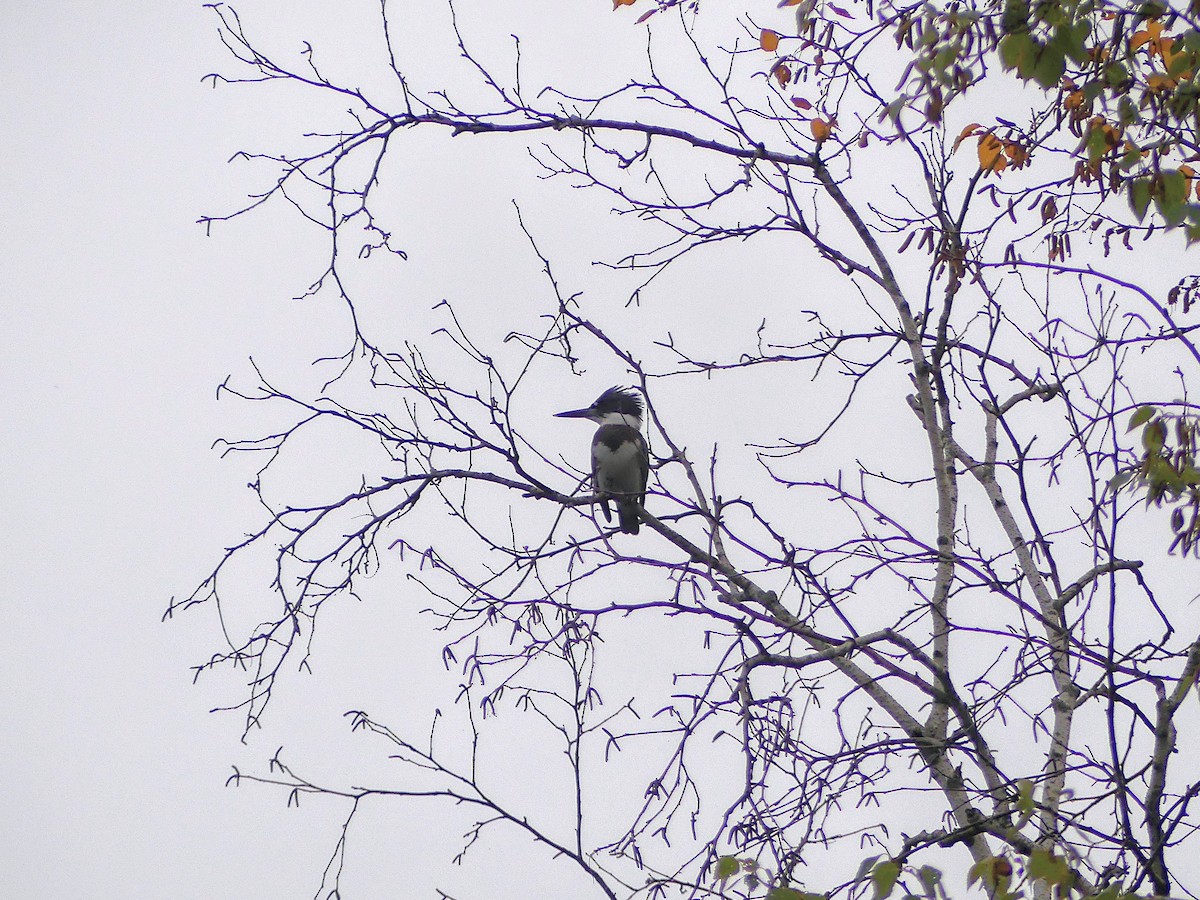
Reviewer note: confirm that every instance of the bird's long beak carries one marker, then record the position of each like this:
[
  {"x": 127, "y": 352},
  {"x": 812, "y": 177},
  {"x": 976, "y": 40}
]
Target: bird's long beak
[{"x": 574, "y": 414}]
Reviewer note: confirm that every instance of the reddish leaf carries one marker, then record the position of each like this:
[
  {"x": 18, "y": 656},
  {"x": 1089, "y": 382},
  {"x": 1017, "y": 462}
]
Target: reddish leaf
[
  {"x": 801, "y": 103},
  {"x": 971, "y": 129}
]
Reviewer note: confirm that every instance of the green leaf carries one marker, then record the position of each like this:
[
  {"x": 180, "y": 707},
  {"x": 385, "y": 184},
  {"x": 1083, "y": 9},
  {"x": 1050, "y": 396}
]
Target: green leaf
[
  {"x": 1141, "y": 417},
  {"x": 1153, "y": 437},
  {"x": 977, "y": 871},
  {"x": 1078, "y": 48},
  {"x": 930, "y": 878},
  {"x": 884, "y": 877},
  {"x": 727, "y": 866},
  {"x": 1050, "y": 65},
  {"x": 1139, "y": 196},
  {"x": 1172, "y": 202},
  {"x": 1025, "y": 789},
  {"x": 1127, "y": 112},
  {"x": 865, "y": 867},
  {"x": 1071, "y": 40},
  {"x": 1045, "y": 866},
  {"x": 1160, "y": 474},
  {"x": 1152, "y": 10},
  {"x": 1130, "y": 158},
  {"x": 1018, "y": 51},
  {"x": 1097, "y": 144},
  {"x": 1181, "y": 63},
  {"x": 1175, "y": 187},
  {"x": 784, "y": 893},
  {"x": 1016, "y": 16},
  {"x": 1119, "y": 480}
]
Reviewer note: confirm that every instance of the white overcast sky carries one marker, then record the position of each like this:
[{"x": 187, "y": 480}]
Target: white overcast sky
[{"x": 118, "y": 320}]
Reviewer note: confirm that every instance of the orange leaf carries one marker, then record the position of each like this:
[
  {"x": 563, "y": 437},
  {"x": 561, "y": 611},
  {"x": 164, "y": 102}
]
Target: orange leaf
[
  {"x": 769, "y": 40},
  {"x": 820, "y": 130},
  {"x": 1160, "y": 82},
  {"x": 783, "y": 3},
  {"x": 782, "y": 74},
  {"x": 619, "y": 3}
]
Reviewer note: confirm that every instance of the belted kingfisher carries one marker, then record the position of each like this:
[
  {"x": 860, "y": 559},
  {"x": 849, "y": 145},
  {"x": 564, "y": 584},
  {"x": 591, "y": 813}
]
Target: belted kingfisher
[{"x": 620, "y": 459}]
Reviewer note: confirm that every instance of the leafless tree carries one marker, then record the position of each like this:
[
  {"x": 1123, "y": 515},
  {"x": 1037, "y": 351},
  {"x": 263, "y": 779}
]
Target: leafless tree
[{"x": 888, "y": 601}]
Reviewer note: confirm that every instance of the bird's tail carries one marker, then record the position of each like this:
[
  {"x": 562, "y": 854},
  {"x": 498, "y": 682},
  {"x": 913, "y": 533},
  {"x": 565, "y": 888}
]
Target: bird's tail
[{"x": 627, "y": 512}]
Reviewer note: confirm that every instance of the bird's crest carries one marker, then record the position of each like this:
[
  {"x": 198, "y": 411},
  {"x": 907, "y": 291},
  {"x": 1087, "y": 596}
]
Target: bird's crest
[{"x": 622, "y": 400}]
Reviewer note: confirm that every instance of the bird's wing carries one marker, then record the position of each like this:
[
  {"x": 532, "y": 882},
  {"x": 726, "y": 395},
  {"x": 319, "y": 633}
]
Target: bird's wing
[{"x": 644, "y": 461}]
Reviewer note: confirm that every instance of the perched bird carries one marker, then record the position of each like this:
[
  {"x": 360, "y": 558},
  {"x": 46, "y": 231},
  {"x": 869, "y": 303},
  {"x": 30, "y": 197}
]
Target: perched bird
[{"x": 620, "y": 459}]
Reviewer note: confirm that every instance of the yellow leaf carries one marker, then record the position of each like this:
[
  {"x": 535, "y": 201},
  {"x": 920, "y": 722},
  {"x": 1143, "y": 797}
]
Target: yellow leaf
[
  {"x": 1189, "y": 175},
  {"x": 1165, "y": 50},
  {"x": 1160, "y": 82},
  {"x": 769, "y": 40},
  {"x": 820, "y": 130},
  {"x": 782, "y": 74},
  {"x": 1016, "y": 153},
  {"x": 991, "y": 154},
  {"x": 1148, "y": 35}
]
